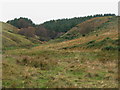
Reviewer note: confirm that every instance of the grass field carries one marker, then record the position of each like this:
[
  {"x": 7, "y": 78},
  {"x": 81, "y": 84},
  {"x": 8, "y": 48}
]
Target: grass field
[
  {"x": 51, "y": 66},
  {"x": 58, "y": 68},
  {"x": 85, "y": 62}
]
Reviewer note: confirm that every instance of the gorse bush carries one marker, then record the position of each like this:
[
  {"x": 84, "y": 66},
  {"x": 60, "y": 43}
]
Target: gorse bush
[
  {"x": 90, "y": 42},
  {"x": 11, "y": 31},
  {"x": 111, "y": 48}
]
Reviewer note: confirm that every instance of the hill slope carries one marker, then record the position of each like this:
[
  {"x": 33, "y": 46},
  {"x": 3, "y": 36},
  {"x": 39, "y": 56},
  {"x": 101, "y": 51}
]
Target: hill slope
[
  {"x": 10, "y": 37},
  {"x": 9, "y": 27},
  {"x": 88, "y": 26},
  {"x": 104, "y": 32}
]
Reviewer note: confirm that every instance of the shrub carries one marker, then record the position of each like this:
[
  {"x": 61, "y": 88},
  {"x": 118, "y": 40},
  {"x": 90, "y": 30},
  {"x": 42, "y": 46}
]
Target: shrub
[
  {"x": 111, "y": 48},
  {"x": 90, "y": 42},
  {"x": 91, "y": 45},
  {"x": 117, "y": 42},
  {"x": 10, "y": 31},
  {"x": 96, "y": 34},
  {"x": 83, "y": 35}
]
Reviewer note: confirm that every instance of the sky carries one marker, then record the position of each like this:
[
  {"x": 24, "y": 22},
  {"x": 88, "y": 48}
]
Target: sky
[{"x": 40, "y": 11}]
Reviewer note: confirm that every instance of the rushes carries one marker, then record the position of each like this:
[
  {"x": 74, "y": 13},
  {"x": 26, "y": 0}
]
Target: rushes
[{"x": 43, "y": 63}]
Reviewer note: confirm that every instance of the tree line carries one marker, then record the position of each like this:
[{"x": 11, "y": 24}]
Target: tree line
[{"x": 49, "y": 29}]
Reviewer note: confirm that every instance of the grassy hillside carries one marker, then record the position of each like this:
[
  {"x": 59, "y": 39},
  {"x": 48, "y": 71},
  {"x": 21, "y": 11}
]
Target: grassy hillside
[
  {"x": 10, "y": 37},
  {"x": 88, "y": 61},
  {"x": 9, "y": 27},
  {"x": 90, "y": 25}
]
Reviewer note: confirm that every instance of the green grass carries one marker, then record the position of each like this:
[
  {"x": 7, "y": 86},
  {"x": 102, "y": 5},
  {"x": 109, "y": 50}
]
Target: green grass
[
  {"x": 105, "y": 44},
  {"x": 65, "y": 73},
  {"x": 17, "y": 39},
  {"x": 11, "y": 39},
  {"x": 8, "y": 27}
]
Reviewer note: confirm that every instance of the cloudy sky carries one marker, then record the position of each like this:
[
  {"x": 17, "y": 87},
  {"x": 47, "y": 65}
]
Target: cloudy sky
[{"x": 40, "y": 11}]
